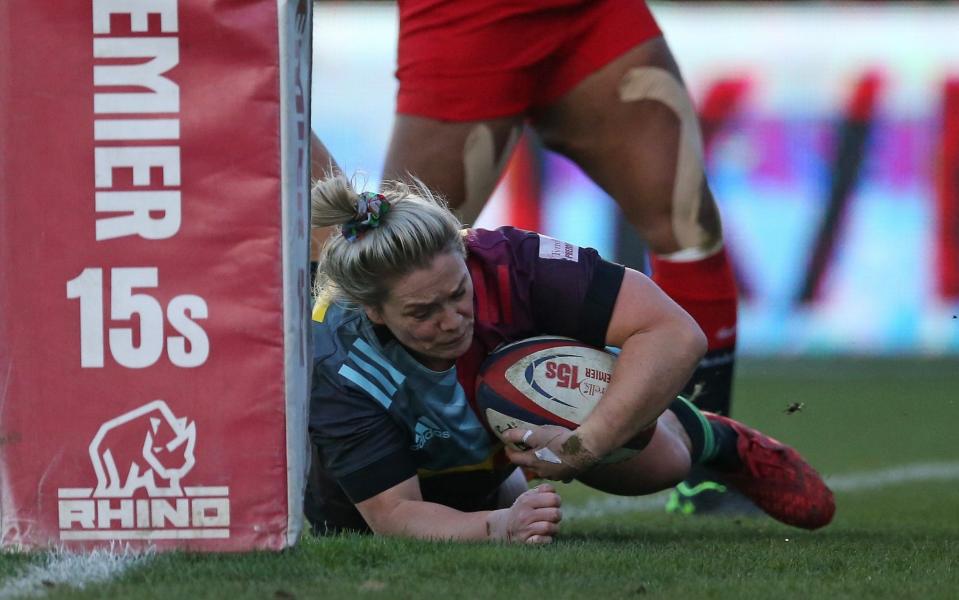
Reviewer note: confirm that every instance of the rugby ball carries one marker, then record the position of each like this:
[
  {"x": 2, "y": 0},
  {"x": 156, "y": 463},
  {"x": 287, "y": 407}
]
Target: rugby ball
[{"x": 546, "y": 380}]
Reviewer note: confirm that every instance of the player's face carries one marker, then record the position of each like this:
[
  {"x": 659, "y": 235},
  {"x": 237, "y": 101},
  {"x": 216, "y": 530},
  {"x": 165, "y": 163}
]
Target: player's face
[{"x": 430, "y": 311}]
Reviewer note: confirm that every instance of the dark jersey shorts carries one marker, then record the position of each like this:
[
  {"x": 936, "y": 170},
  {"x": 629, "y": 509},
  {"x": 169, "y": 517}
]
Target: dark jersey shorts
[
  {"x": 379, "y": 417},
  {"x": 466, "y": 60}
]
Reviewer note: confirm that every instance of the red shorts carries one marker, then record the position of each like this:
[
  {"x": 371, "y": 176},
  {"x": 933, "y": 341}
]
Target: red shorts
[{"x": 467, "y": 60}]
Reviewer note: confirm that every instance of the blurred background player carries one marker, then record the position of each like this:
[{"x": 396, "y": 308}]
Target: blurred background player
[
  {"x": 322, "y": 165},
  {"x": 597, "y": 82}
]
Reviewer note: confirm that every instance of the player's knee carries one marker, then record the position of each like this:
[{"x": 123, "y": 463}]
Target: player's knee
[
  {"x": 675, "y": 461},
  {"x": 484, "y": 158},
  {"x": 511, "y": 489},
  {"x": 672, "y": 450},
  {"x": 684, "y": 217},
  {"x": 678, "y": 231}
]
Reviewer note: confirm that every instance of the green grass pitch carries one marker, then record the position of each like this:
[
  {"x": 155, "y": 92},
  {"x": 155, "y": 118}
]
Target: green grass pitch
[{"x": 890, "y": 538}]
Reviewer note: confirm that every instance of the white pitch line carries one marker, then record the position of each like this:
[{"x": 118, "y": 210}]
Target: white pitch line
[
  {"x": 69, "y": 569},
  {"x": 79, "y": 570},
  {"x": 853, "y": 482}
]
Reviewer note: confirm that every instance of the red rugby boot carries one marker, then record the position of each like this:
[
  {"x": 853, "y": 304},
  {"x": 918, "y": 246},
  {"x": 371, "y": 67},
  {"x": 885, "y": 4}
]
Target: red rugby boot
[{"x": 777, "y": 479}]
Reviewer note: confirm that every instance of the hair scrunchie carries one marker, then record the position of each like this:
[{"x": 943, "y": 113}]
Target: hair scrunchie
[{"x": 370, "y": 210}]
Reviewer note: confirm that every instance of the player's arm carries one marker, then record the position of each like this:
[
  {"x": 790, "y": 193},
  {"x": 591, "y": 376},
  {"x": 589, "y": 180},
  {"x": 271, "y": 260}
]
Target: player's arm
[
  {"x": 661, "y": 346},
  {"x": 322, "y": 164},
  {"x": 367, "y": 453},
  {"x": 401, "y": 511}
]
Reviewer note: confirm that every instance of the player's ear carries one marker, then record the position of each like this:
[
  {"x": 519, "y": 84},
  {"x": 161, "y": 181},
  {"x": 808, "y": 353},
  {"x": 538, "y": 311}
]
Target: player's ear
[{"x": 374, "y": 314}]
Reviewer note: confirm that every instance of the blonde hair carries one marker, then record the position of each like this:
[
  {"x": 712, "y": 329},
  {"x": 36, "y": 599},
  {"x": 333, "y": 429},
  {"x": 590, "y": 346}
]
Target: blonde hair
[{"x": 417, "y": 227}]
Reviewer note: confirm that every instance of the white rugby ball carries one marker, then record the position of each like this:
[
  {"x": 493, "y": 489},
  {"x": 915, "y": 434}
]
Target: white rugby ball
[{"x": 546, "y": 380}]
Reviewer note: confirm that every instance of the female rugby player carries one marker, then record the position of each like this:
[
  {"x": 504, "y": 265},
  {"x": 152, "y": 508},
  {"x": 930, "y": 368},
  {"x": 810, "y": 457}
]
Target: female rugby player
[{"x": 409, "y": 305}]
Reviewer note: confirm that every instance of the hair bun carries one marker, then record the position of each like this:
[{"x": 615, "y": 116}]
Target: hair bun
[{"x": 370, "y": 209}]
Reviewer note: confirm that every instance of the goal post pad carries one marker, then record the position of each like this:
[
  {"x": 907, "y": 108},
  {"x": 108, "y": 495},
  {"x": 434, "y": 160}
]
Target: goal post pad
[{"x": 154, "y": 245}]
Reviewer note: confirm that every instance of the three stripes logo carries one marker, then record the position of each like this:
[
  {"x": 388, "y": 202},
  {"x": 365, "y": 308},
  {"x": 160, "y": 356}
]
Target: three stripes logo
[{"x": 366, "y": 368}]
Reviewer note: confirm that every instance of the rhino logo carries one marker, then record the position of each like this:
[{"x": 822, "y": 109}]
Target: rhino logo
[{"x": 147, "y": 447}]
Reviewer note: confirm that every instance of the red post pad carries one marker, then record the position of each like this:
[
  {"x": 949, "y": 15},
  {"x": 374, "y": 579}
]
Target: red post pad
[{"x": 154, "y": 254}]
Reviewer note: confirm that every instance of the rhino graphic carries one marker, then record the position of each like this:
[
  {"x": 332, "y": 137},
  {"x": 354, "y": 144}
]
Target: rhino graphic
[{"x": 141, "y": 449}]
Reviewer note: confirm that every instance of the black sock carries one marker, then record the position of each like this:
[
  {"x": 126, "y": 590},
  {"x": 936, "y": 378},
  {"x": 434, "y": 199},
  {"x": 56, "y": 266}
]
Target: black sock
[
  {"x": 711, "y": 386},
  {"x": 713, "y": 442},
  {"x": 727, "y": 455}
]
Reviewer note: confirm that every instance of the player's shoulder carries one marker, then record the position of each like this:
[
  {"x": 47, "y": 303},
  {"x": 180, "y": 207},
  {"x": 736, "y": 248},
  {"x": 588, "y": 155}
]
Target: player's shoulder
[
  {"x": 517, "y": 246},
  {"x": 480, "y": 239},
  {"x": 349, "y": 355},
  {"x": 334, "y": 329},
  {"x": 503, "y": 245}
]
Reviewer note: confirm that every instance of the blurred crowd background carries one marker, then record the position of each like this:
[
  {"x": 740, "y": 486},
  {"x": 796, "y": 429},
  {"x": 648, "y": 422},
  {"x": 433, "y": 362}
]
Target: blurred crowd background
[{"x": 832, "y": 140}]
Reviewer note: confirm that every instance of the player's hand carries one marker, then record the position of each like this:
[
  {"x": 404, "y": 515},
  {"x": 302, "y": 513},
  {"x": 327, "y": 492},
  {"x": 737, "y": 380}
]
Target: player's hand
[
  {"x": 533, "y": 519},
  {"x": 550, "y": 451}
]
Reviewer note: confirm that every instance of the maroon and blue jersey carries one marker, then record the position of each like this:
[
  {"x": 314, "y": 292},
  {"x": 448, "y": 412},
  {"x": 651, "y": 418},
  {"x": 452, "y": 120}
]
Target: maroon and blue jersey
[{"x": 379, "y": 417}]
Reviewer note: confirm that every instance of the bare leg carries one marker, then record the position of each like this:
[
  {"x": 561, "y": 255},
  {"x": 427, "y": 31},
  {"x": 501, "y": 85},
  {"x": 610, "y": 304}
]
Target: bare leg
[
  {"x": 629, "y": 143},
  {"x": 662, "y": 464},
  {"x": 511, "y": 489},
  {"x": 631, "y": 126},
  {"x": 460, "y": 160}
]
